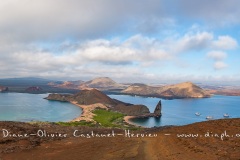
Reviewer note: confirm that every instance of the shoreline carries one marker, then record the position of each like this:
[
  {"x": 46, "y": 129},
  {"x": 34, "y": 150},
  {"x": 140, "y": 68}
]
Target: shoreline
[
  {"x": 128, "y": 118},
  {"x": 87, "y": 114}
]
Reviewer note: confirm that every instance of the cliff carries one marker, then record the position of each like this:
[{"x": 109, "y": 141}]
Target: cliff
[{"x": 182, "y": 90}]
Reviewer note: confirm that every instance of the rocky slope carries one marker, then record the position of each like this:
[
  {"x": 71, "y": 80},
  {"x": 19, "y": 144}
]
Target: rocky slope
[
  {"x": 181, "y": 90},
  {"x": 167, "y": 145},
  {"x": 102, "y": 83},
  {"x": 66, "y": 84}
]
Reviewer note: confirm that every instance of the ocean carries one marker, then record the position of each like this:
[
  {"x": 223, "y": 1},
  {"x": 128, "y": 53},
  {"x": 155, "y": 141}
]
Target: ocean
[
  {"x": 182, "y": 111},
  {"x": 32, "y": 107}
]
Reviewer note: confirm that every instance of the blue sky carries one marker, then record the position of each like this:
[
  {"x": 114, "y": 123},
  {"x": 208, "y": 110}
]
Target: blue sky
[{"x": 151, "y": 41}]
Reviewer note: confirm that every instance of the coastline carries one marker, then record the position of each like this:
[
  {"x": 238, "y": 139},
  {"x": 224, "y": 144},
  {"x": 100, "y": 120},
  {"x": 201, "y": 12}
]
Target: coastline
[
  {"x": 87, "y": 114},
  {"x": 127, "y": 120}
]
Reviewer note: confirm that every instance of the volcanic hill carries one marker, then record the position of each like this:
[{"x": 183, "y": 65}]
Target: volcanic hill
[
  {"x": 181, "y": 90},
  {"x": 102, "y": 83}
]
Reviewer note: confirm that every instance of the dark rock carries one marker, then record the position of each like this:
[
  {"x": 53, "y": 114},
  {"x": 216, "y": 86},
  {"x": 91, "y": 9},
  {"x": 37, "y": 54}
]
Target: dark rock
[
  {"x": 34, "y": 89},
  {"x": 58, "y": 97},
  {"x": 158, "y": 110}
]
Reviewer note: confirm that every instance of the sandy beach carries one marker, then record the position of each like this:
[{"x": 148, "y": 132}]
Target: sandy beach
[
  {"x": 87, "y": 114},
  {"x": 127, "y": 120}
]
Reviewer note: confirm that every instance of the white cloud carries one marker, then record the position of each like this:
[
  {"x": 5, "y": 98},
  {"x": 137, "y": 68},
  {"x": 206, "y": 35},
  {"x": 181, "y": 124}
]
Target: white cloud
[
  {"x": 217, "y": 55},
  {"x": 225, "y": 42},
  {"x": 220, "y": 65},
  {"x": 196, "y": 41},
  {"x": 27, "y": 21},
  {"x": 136, "y": 56}
]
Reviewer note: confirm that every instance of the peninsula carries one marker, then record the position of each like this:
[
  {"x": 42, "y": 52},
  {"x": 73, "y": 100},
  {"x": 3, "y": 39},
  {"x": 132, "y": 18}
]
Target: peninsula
[{"x": 92, "y": 99}]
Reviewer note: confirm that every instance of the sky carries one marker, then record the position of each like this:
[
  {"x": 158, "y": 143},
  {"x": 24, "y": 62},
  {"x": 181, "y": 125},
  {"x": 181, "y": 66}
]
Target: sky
[{"x": 149, "y": 41}]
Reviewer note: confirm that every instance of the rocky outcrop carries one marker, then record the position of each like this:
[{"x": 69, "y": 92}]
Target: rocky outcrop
[
  {"x": 182, "y": 90},
  {"x": 59, "y": 97},
  {"x": 3, "y": 89},
  {"x": 158, "y": 110}
]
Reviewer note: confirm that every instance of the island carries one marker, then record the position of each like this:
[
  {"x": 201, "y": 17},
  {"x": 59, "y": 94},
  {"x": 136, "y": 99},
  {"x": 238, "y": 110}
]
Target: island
[
  {"x": 92, "y": 99},
  {"x": 176, "y": 91}
]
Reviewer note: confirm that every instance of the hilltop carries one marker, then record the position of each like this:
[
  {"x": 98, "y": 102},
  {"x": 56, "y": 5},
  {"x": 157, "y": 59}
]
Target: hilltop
[
  {"x": 102, "y": 83},
  {"x": 181, "y": 90}
]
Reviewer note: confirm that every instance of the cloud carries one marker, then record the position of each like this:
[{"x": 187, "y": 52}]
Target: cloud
[
  {"x": 217, "y": 55},
  {"x": 28, "y": 21},
  {"x": 217, "y": 12},
  {"x": 198, "y": 41},
  {"x": 225, "y": 42},
  {"x": 80, "y": 57},
  {"x": 220, "y": 65}
]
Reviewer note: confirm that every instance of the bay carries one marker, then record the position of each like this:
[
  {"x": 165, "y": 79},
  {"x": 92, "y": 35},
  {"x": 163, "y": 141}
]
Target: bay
[
  {"x": 26, "y": 107},
  {"x": 182, "y": 111}
]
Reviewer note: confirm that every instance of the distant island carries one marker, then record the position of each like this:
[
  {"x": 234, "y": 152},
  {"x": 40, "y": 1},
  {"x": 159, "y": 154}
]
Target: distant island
[
  {"x": 182, "y": 90},
  {"x": 107, "y": 85}
]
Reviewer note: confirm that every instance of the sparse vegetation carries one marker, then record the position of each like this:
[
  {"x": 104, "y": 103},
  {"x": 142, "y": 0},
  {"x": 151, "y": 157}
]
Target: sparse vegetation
[
  {"x": 103, "y": 118},
  {"x": 108, "y": 118}
]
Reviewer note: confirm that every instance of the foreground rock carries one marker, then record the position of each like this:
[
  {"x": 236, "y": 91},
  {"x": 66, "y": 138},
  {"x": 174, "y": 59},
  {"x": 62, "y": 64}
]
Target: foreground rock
[
  {"x": 182, "y": 90},
  {"x": 167, "y": 147},
  {"x": 93, "y": 96}
]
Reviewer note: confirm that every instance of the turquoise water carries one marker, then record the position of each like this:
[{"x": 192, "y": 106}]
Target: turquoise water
[
  {"x": 27, "y": 107},
  {"x": 182, "y": 111},
  {"x": 32, "y": 107}
]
